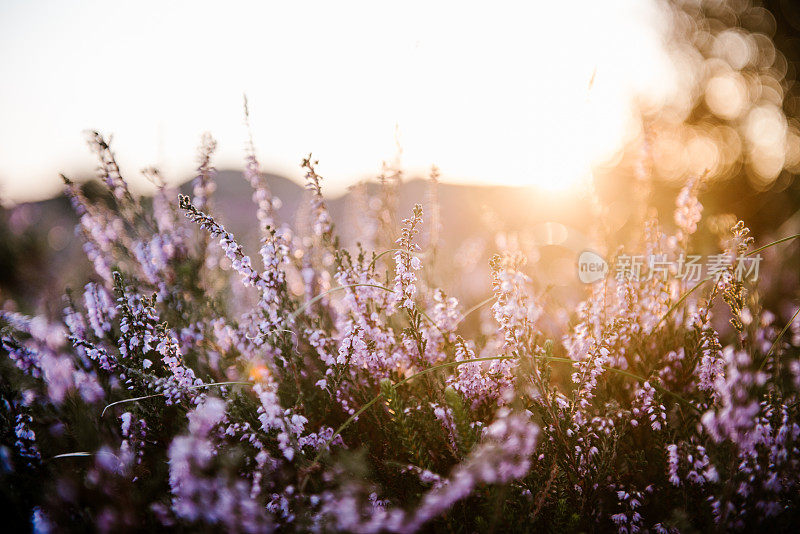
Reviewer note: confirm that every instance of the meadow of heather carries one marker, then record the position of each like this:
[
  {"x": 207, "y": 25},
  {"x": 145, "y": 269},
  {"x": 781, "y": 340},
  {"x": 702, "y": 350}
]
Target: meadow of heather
[
  {"x": 190, "y": 383},
  {"x": 587, "y": 319}
]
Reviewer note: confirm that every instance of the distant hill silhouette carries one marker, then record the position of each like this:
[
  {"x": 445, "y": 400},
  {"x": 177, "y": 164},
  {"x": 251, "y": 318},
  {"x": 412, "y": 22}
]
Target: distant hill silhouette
[
  {"x": 43, "y": 251},
  {"x": 40, "y": 253}
]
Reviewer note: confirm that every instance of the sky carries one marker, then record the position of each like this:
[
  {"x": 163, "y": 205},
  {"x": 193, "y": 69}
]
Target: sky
[{"x": 531, "y": 93}]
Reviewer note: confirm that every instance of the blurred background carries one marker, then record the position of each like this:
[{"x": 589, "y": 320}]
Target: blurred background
[{"x": 527, "y": 109}]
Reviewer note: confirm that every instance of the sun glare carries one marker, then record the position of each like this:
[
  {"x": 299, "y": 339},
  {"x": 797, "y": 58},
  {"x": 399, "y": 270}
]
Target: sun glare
[{"x": 506, "y": 96}]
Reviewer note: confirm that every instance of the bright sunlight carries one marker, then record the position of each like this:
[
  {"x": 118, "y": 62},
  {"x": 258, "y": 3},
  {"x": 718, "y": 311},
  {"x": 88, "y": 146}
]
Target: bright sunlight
[{"x": 502, "y": 96}]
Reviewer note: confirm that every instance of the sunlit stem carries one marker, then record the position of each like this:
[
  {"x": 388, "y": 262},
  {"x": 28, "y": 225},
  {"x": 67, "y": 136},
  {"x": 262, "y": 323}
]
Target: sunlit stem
[
  {"x": 72, "y": 455},
  {"x": 782, "y": 240},
  {"x": 777, "y": 339},
  {"x": 385, "y": 252},
  {"x": 701, "y": 282},
  {"x": 300, "y": 310},
  {"x": 476, "y": 307},
  {"x": 199, "y": 386},
  {"x": 677, "y": 303}
]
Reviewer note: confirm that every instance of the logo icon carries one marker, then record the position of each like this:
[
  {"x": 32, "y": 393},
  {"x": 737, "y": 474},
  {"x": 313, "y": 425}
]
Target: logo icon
[{"x": 591, "y": 267}]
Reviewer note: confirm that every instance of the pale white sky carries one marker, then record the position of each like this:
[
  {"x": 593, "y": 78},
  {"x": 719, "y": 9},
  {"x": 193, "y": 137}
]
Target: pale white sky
[{"x": 489, "y": 94}]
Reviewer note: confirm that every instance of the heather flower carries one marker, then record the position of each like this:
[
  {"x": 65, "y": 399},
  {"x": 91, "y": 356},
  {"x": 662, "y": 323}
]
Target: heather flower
[
  {"x": 406, "y": 263},
  {"x": 273, "y": 417},
  {"x": 203, "y": 493},
  {"x": 109, "y": 170},
  {"x": 266, "y": 204},
  {"x": 232, "y": 250},
  {"x": 321, "y": 225},
  {"x": 480, "y": 382},
  {"x": 735, "y": 412},
  {"x": 503, "y": 455},
  {"x": 688, "y": 209},
  {"x": 630, "y": 520},
  {"x": 330, "y": 389},
  {"x": 100, "y": 309},
  {"x": 672, "y": 464},
  {"x": 648, "y": 408},
  {"x": 512, "y": 309},
  {"x": 203, "y": 186},
  {"x": 26, "y": 438}
]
